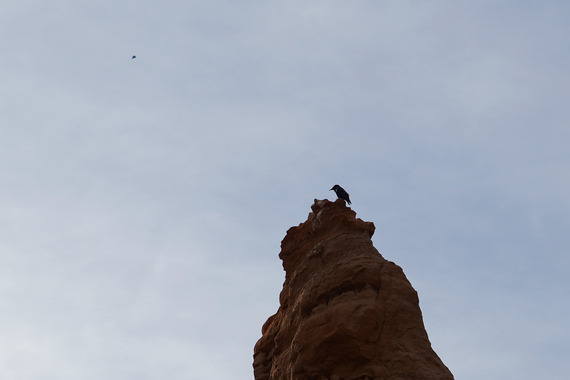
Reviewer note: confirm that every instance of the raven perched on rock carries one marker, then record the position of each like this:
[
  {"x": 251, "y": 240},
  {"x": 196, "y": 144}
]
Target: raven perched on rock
[{"x": 341, "y": 193}]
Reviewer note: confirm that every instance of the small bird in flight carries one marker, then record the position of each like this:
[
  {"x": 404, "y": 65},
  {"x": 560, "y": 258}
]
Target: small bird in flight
[
  {"x": 134, "y": 56},
  {"x": 341, "y": 193}
]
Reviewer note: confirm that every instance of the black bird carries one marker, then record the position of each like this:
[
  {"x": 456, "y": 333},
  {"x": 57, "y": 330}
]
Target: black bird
[
  {"x": 134, "y": 56},
  {"x": 341, "y": 193}
]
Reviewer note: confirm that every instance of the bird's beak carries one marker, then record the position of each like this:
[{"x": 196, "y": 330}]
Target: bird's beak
[{"x": 331, "y": 189}]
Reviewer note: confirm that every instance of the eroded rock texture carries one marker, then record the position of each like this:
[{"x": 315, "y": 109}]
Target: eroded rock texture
[{"x": 346, "y": 313}]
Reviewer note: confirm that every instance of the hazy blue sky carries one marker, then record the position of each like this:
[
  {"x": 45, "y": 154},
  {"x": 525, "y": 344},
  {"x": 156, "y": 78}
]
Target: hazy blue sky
[{"x": 143, "y": 201}]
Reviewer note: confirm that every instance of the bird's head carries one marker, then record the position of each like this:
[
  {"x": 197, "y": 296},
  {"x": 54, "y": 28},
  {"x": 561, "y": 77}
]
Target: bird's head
[{"x": 334, "y": 187}]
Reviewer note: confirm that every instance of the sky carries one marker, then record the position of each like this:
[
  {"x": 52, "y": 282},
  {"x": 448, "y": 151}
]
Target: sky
[{"x": 144, "y": 200}]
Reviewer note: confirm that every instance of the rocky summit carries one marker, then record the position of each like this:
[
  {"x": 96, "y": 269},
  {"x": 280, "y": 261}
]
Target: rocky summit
[{"x": 345, "y": 312}]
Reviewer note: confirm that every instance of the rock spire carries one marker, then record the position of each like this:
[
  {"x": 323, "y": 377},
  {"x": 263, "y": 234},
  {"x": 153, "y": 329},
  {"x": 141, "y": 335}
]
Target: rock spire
[{"x": 345, "y": 312}]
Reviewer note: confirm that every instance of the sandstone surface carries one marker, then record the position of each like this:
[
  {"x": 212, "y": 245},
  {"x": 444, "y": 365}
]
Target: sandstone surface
[{"x": 345, "y": 312}]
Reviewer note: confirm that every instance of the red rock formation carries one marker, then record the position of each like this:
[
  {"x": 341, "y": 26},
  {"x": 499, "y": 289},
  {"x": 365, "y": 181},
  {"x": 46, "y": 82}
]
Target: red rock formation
[{"x": 346, "y": 313}]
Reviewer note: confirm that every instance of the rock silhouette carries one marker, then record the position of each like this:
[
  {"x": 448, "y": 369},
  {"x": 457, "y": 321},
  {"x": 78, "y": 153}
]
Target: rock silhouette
[{"x": 345, "y": 312}]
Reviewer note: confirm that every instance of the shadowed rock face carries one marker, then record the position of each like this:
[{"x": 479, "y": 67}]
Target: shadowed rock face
[{"x": 346, "y": 313}]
